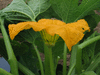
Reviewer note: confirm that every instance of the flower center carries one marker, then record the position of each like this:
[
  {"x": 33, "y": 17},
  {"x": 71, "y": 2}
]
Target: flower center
[{"x": 48, "y": 39}]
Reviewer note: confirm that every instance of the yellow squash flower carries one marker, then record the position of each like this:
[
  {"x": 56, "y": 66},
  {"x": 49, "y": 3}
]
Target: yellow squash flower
[{"x": 50, "y": 30}]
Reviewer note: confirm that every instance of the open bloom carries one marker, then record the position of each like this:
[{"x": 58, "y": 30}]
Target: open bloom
[{"x": 71, "y": 33}]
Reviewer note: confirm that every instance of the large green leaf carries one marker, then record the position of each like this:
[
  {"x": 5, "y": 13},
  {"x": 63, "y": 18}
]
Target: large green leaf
[
  {"x": 38, "y": 6},
  {"x": 70, "y": 10},
  {"x": 18, "y": 48},
  {"x": 21, "y": 7},
  {"x": 34, "y": 7},
  {"x": 48, "y": 14},
  {"x": 97, "y": 17},
  {"x": 29, "y": 61},
  {"x": 57, "y": 50},
  {"x": 30, "y": 35},
  {"x": 40, "y": 44}
]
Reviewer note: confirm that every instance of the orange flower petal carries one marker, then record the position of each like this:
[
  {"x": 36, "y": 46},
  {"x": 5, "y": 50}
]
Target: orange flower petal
[
  {"x": 14, "y": 29},
  {"x": 71, "y": 33},
  {"x": 47, "y": 22}
]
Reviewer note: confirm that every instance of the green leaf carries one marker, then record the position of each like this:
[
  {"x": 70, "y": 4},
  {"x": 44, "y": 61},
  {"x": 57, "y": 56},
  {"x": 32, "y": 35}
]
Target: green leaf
[
  {"x": 2, "y": 14},
  {"x": 57, "y": 50},
  {"x": 71, "y": 11},
  {"x": 97, "y": 18},
  {"x": 97, "y": 49},
  {"x": 48, "y": 14},
  {"x": 92, "y": 21},
  {"x": 92, "y": 24},
  {"x": 89, "y": 73},
  {"x": 3, "y": 49},
  {"x": 31, "y": 48},
  {"x": 40, "y": 44},
  {"x": 26, "y": 1},
  {"x": 18, "y": 48},
  {"x": 20, "y": 6},
  {"x": 30, "y": 35},
  {"x": 32, "y": 10},
  {"x": 12, "y": 16},
  {"x": 38, "y": 6},
  {"x": 29, "y": 61}
]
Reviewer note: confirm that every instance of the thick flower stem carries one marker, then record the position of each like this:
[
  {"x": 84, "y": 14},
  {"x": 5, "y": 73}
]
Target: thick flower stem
[
  {"x": 64, "y": 59},
  {"x": 73, "y": 59},
  {"x": 39, "y": 58},
  {"x": 71, "y": 70},
  {"x": 11, "y": 57},
  {"x": 78, "y": 60},
  {"x": 46, "y": 61},
  {"x": 49, "y": 64},
  {"x": 4, "y": 72},
  {"x": 25, "y": 70},
  {"x": 79, "y": 52},
  {"x": 88, "y": 42}
]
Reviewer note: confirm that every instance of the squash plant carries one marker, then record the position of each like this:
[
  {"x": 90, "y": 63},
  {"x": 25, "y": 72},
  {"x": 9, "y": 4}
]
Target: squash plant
[{"x": 55, "y": 28}]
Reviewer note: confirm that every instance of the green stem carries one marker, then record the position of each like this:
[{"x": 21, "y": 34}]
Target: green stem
[
  {"x": 64, "y": 60},
  {"x": 51, "y": 62},
  {"x": 25, "y": 70},
  {"x": 79, "y": 52},
  {"x": 73, "y": 58},
  {"x": 11, "y": 57},
  {"x": 39, "y": 58},
  {"x": 88, "y": 42},
  {"x": 47, "y": 61},
  {"x": 78, "y": 60},
  {"x": 4, "y": 72},
  {"x": 71, "y": 69}
]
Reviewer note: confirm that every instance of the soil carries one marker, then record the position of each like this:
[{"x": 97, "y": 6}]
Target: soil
[{"x": 4, "y": 3}]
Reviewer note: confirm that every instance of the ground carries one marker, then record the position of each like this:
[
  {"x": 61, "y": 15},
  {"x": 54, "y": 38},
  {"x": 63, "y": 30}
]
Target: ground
[{"x": 4, "y": 3}]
